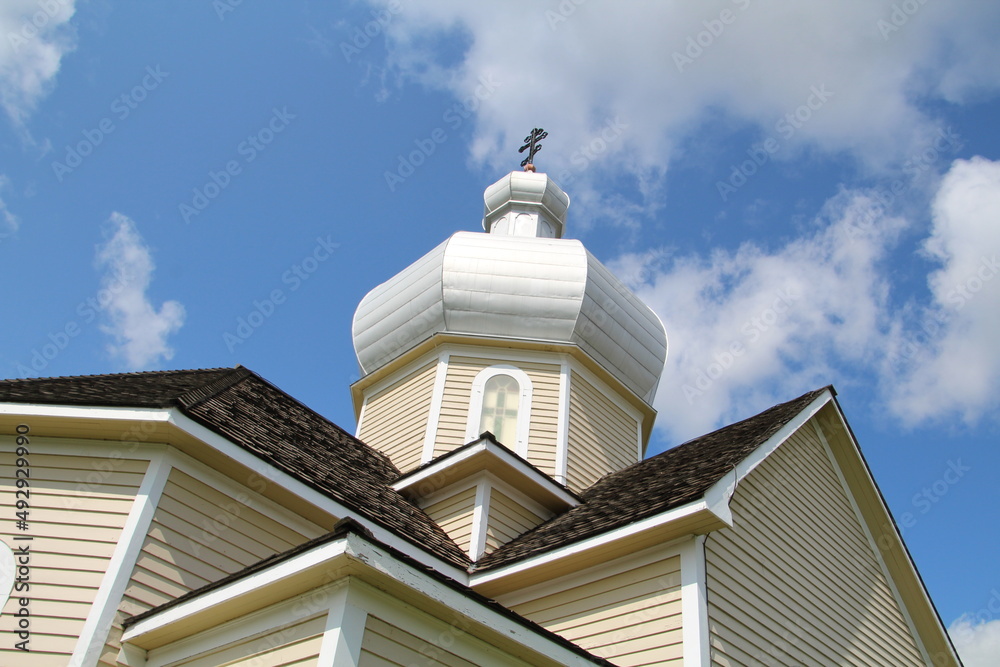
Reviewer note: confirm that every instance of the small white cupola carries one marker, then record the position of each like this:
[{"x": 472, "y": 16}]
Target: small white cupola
[{"x": 524, "y": 203}]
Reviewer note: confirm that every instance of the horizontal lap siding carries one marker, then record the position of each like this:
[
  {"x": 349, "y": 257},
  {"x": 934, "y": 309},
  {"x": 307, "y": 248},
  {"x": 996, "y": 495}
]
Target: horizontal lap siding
[
  {"x": 198, "y": 535},
  {"x": 544, "y": 424},
  {"x": 454, "y": 515},
  {"x": 77, "y": 508},
  {"x": 795, "y": 581},
  {"x": 507, "y": 519},
  {"x": 630, "y": 617},
  {"x": 387, "y": 645},
  {"x": 395, "y": 419},
  {"x": 295, "y": 644},
  {"x": 603, "y": 438}
]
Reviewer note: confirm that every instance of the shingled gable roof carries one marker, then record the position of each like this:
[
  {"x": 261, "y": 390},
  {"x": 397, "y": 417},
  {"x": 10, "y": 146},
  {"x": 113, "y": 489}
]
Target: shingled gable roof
[
  {"x": 249, "y": 411},
  {"x": 657, "y": 484}
]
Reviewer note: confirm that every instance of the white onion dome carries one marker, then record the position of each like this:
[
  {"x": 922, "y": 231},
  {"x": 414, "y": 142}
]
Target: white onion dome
[{"x": 521, "y": 281}]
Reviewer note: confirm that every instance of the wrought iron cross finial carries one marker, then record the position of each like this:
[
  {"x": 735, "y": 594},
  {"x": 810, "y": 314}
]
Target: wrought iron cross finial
[{"x": 532, "y": 146}]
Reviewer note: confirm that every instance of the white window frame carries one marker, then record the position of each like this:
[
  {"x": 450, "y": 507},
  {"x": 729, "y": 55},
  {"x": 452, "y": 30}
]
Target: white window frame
[{"x": 523, "y": 408}]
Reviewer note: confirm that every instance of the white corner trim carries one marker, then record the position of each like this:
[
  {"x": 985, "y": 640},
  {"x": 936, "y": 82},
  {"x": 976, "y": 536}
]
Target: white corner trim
[
  {"x": 480, "y": 519},
  {"x": 345, "y": 629},
  {"x": 271, "y": 473},
  {"x": 562, "y": 424},
  {"x": 119, "y": 571},
  {"x": 694, "y": 603},
  {"x": 720, "y": 494},
  {"x": 437, "y": 399}
]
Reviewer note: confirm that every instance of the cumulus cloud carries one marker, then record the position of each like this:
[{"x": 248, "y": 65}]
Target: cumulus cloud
[
  {"x": 949, "y": 359},
  {"x": 978, "y": 644},
  {"x": 667, "y": 69},
  {"x": 140, "y": 331},
  {"x": 751, "y": 327},
  {"x": 36, "y": 36}
]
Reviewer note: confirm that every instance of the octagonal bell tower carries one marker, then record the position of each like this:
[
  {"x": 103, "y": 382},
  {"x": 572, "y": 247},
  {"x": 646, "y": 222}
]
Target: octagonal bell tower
[{"x": 516, "y": 331}]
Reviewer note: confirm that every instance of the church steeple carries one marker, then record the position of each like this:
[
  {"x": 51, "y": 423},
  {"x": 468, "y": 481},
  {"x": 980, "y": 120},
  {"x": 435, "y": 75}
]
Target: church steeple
[{"x": 517, "y": 331}]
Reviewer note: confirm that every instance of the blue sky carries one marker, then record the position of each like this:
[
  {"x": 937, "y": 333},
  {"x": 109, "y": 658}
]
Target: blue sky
[{"x": 805, "y": 195}]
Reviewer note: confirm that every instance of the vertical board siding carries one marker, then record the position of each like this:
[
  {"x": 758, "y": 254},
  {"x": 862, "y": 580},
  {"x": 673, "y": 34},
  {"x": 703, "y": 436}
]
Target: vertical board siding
[
  {"x": 296, "y": 644},
  {"x": 507, "y": 519},
  {"x": 796, "y": 581},
  {"x": 395, "y": 419},
  {"x": 77, "y": 508},
  {"x": 199, "y": 535},
  {"x": 454, "y": 515},
  {"x": 629, "y": 615},
  {"x": 544, "y": 424},
  {"x": 602, "y": 438}
]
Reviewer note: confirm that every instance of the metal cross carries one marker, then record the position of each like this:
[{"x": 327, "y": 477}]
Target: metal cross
[{"x": 531, "y": 145}]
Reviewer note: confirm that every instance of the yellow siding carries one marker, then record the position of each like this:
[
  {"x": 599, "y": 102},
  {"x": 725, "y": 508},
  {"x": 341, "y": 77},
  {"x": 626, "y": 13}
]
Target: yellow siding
[
  {"x": 507, "y": 519},
  {"x": 395, "y": 419},
  {"x": 630, "y": 615},
  {"x": 386, "y": 644},
  {"x": 198, "y": 535},
  {"x": 77, "y": 508},
  {"x": 603, "y": 438},
  {"x": 795, "y": 581},
  {"x": 454, "y": 515},
  {"x": 296, "y": 644},
  {"x": 544, "y": 422}
]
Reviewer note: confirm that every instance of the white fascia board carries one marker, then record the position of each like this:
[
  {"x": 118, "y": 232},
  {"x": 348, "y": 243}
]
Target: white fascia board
[
  {"x": 269, "y": 576},
  {"x": 377, "y": 559},
  {"x": 655, "y": 521},
  {"x": 479, "y": 449},
  {"x": 372, "y": 557},
  {"x": 720, "y": 493},
  {"x": 266, "y": 470},
  {"x": 85, "y": 412},
  {"x": 311, "y": 495}
]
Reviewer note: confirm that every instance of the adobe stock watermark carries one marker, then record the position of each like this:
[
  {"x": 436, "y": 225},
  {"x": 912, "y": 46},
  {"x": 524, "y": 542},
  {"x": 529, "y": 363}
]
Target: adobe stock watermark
[
  {"x": 751, "y": 330},
  {"x": 294, "y": 277},
  {"x": 697, "y": 44},
  {"x": 761, "y": 153},
  {"x": 453, "y": 117},
  {"x": 121, "y": 108},
  {"x": 900, "y": 15},
  {"x": 223, "y": 7},
  {"x": 585, "y": 155},
  {"x": 947, "y": 139},
  {"x": 927, "y": 498},
  {"x": 248, "y": 150},
  {"x": 362, "y": 36},
  {"x": 936, "y": 319},
  {"x": 57, "y": 341},
  {"x": 33, "y": 25},
  {"x": 566, "y": 8}
]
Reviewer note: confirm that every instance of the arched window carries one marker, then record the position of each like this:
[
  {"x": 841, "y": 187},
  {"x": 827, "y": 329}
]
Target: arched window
[
  {"x": 501, "y": 404},
  {"x": 501, "y": 395}
]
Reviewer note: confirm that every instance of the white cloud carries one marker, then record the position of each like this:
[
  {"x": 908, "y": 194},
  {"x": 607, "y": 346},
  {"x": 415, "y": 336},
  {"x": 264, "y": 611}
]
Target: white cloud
[
  {"x": 11, "y": 222},
  {"x": 978, "y": 644},
  {"x": 34, "y": 37},
  {"x": 573, "y": 66},
  {"x": 752, "y": 327},
  {"x": 952, "y": 361},
  {"x": 139, "y": 330}
]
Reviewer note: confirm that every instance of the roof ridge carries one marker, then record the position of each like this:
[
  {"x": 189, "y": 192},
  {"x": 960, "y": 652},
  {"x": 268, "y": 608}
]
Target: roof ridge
[
  {"x": 181, "y": 371},
  {"x": 195, "y": 396}
]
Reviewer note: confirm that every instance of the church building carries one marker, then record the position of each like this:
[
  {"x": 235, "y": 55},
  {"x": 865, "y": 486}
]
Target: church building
[{"x": 494, "y": 505}]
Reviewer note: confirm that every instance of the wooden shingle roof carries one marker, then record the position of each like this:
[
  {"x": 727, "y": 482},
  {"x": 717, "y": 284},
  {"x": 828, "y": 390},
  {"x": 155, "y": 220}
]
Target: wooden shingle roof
[{"x": 249, "y": 411}]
